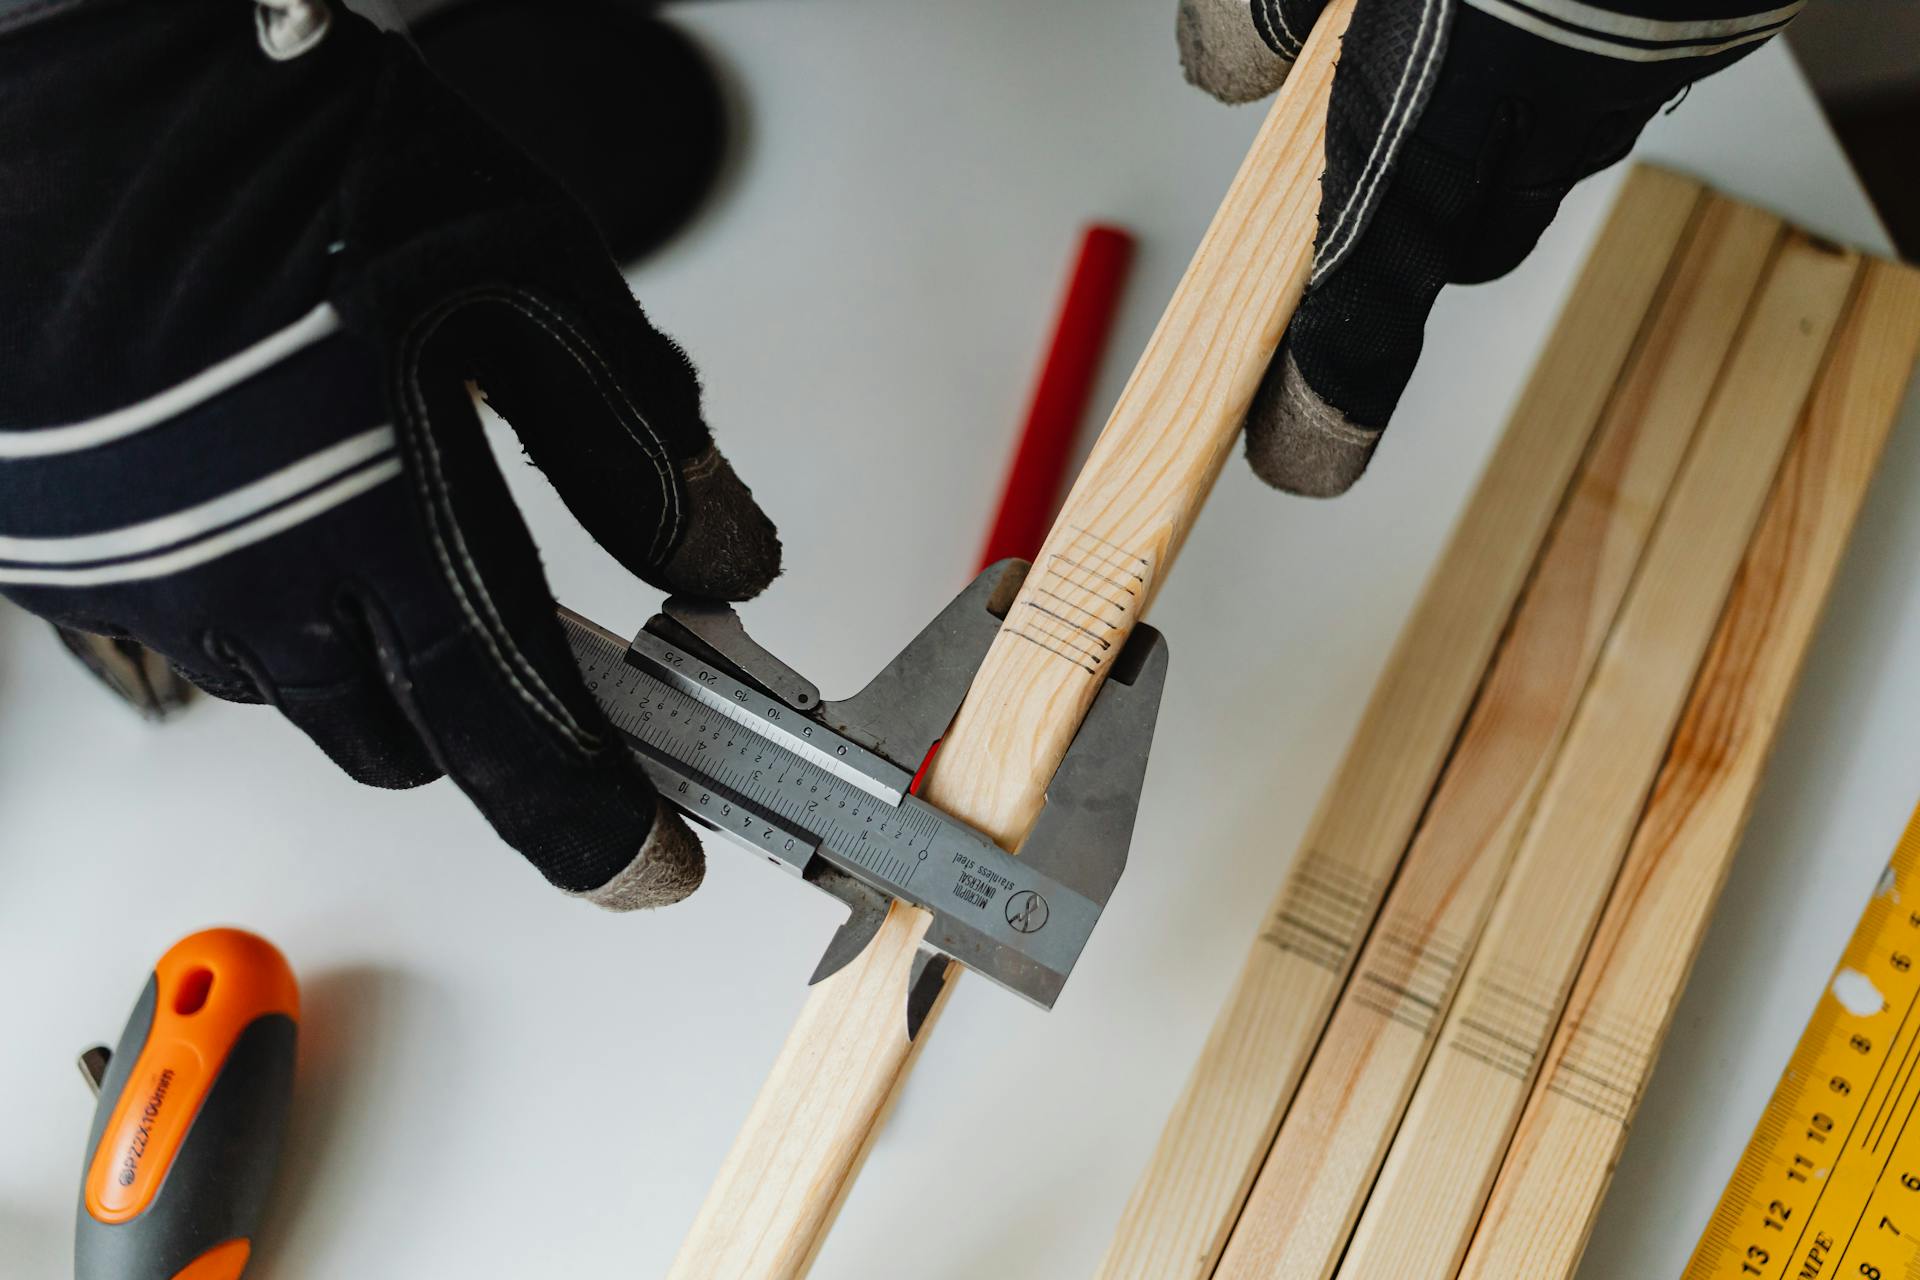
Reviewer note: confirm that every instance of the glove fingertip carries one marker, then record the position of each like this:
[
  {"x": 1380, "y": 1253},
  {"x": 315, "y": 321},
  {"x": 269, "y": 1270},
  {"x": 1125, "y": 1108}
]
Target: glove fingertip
[
  {"x": 729, "y": 549},
  {"x": 1221, "y": 51},
  {"x": 669, "y": 866},
  {"x": 1298, "y": 442}
]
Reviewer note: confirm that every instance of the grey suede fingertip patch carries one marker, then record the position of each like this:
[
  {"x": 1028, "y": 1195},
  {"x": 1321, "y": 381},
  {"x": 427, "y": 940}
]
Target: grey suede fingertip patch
[
  {"x": 1222, "y": 52},
  {"x": 730, "y": 549},
  {"x": 669, "y": 866},
  {"x": 1298, "y": 442}
]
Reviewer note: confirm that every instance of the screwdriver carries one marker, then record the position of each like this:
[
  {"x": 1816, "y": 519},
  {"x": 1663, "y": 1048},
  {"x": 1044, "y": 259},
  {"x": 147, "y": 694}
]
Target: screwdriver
[{"x": 192, "y": 1106}]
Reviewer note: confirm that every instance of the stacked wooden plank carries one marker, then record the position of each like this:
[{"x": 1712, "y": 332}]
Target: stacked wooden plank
[
  {"x": 1438, "y": 1039},
  {"x": 1569, "y": 1138}
]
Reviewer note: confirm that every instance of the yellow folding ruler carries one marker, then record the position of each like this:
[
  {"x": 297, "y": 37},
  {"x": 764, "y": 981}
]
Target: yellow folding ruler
[{"x": 1829, "y": 1185}]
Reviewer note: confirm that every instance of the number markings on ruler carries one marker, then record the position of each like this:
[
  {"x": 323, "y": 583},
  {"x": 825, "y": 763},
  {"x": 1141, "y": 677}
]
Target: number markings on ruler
[
  {"x": 733, "y": 758},
  {"x": 674, "y": 724},
  {"x": 1830, "y": 1182}
]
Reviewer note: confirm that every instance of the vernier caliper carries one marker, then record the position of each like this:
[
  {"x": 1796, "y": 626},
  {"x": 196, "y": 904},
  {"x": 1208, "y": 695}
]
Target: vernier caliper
[{"x": 742, "y": 743}]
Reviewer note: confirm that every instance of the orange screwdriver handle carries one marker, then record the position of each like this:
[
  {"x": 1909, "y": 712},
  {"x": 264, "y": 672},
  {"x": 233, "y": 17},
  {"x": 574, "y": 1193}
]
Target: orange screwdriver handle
[{"x": 190, "y": 1117}]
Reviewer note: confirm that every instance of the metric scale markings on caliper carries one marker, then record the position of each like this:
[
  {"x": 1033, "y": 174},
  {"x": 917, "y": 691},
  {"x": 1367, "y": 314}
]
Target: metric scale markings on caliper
[{"x": 744, "y": 744}]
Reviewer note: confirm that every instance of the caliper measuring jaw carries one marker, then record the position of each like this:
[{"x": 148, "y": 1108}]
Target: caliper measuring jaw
[{"x": 744, "y": 744}]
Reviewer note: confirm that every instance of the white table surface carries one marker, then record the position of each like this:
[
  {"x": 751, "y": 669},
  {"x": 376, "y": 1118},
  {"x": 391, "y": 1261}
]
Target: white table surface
[{"x": 498, "y": 1082}]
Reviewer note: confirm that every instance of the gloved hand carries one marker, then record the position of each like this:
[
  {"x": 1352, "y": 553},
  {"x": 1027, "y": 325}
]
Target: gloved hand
[
  {"x": 1456, "y": 127},
  {"x": 250, "y": 257}
]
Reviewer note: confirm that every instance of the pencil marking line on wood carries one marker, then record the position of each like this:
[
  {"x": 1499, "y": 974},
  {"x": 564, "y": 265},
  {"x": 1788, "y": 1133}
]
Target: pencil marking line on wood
[
  {"x": 1106, "y": 542},
  {"x": 1421, "y": 1023},
  {"x": 1619, "y": 1115},
  {"x": 1401, "y": 990},
  {"x": 1118, "y": 561},
  {"x": 1327, "y": 902},
  {"x": 1428, "y": 1198},
  {"x": 1644, "y": 946},
  {"x": 1330, "y": 939},
  {"x": 1055, "y": 595},
  {"x": 1176, "y": 1222},
  {"x": 815, "y": 1119},
  {"x": 1071, "y": 641},
  {"x": 1091, "y": 572},
  {"x": 1503, "y": 1061},
  {"x": 1519, "y": 1048},
  {"x": 1069, "y": 622},
  {"x": 1059, "y": 653},
  {"x": 1625, "y": 1089}
]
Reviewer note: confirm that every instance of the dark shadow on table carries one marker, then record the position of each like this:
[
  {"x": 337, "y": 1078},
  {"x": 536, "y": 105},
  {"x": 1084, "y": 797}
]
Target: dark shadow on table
[{"x": 348, "y": 1016}]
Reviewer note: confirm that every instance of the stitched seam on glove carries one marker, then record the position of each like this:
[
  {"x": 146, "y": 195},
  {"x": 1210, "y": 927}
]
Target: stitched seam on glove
[
  {"x": 671, "y": 513},
  {"x": 1402, "y": 112},
  {"x": 1287, "y": 44},
  {"x": 499, "y": 643}
]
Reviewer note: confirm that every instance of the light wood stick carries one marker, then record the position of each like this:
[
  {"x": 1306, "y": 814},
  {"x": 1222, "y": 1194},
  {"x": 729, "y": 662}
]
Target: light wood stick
[
  {"x": 1336, "y": 1132},
  {"x": 802, "y": 1145},
  {"x": 1538, "y": 1218},
  {"x": 1449, "y": 1146},
  {"x": 1179, "y": 1214}
]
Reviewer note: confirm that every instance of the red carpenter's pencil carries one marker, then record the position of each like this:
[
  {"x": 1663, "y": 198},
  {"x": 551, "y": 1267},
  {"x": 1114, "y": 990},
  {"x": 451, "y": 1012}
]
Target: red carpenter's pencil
[
  {"x": 1031, "y": 493},
  {"x": 1036, "y": 475}
]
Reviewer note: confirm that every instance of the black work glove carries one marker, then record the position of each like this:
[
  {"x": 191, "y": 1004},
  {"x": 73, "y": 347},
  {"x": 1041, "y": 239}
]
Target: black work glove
[
  {"x": 1456, "y": 128},
  {"x": 250, "y": 257}
]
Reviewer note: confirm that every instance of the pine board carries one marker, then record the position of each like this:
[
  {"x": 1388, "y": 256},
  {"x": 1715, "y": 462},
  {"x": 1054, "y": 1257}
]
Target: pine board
[
  {"x": 1316, "y": 1177},
  {"x": 1549, "y": 1189},
  {"x": 1178, "y": 1216},
  {"x": 1442, "y": 1162}
]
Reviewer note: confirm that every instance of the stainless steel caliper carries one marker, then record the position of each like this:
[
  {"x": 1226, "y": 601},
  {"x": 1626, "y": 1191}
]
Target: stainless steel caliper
[{"x": 742, "y": 743}]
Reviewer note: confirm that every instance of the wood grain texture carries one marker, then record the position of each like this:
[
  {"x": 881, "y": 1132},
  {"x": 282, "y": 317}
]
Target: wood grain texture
[
  {"x": 809, "y": 1130},
  {"x": 1443, "y": 1159},
  {"x": 1336, "y": 1132},
  {"x": 1178, "y": 1216},
  {"x": 1538, "y": 1219}
]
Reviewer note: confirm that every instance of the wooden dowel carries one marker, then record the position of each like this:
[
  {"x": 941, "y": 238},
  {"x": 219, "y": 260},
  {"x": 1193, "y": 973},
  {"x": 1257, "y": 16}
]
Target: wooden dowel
[
  {"x": 1179, "y": 1214},
  {"x": 1441, "y": 1165},
  {"x": 1336, "y": 1132},
  {"x": 1543, "y": 1205},
  {"x": 802, "y": 1144}
]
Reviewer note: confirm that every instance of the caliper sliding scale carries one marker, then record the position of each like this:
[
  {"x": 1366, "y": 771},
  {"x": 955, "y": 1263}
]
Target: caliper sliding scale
[{"x": 742, "y": 743}]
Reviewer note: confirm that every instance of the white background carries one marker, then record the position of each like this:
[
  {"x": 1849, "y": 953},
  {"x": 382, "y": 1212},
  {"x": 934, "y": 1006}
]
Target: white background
[{"x": 499, "y": 1082}]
